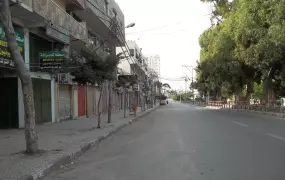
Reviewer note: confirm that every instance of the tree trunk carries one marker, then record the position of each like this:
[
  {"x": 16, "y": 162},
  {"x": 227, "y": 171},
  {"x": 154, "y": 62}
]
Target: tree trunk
[
  {"x": 110, "y": 102},
  {"x": 249, "y": 91},
  {"x": 98, "y": 108},
  {"x": 125, "y": 102},
  {"x": 24, "y": 75}
]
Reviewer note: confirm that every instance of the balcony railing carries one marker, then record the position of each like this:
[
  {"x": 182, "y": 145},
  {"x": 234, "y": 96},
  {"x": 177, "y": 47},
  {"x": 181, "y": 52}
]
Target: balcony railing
[
  {"x": 98, "y": 8},
  {"x": 56, "y": 15},
  {"x": 78, "y": 3}
]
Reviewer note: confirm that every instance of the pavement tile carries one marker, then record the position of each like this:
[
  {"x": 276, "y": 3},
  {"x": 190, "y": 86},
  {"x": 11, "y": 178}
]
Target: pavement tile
[{"x": 61, "y": 143}]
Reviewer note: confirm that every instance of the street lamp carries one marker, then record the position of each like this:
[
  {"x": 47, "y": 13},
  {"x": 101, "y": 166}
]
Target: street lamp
[{"x": 130, "y": 25}]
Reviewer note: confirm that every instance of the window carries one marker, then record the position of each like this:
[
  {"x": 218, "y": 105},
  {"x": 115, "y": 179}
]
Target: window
[{"x": 132, "y": 52}]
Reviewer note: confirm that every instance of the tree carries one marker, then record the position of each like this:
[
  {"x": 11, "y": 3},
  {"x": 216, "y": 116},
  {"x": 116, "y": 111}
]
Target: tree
[
  {"x": 246, "y": 46},
  {"x": 183, "y": 96},
  {"x": 118, "y": 58},
  {"x": 166, "y": 85},
  {"x": 25, "y": 77},
  {"x": 92, "y": 69}
]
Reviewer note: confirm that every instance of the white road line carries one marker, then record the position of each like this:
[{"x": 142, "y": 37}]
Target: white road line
[
  {"x": 276, "y": 136},
  {"x": 241, "y": 124}
]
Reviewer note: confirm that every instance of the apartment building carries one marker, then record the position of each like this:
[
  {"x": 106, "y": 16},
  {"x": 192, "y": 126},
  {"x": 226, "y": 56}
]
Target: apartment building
[
  {"x": 47, "y": 32},
  {"x": 154, "y": 63},
  {"x": 136, "y": 64}
]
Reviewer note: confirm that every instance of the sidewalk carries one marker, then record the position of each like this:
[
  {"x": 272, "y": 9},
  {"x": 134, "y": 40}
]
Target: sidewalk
[{"x": 60, "y": 142}]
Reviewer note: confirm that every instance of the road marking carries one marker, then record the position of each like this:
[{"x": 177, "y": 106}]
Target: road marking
[
  {"x": 241, "y": 124},
  {"x": 276, "y": 136}
]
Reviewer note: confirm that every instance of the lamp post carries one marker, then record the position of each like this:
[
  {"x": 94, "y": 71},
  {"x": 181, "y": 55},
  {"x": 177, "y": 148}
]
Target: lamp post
[{"x": 130, "y": 25}]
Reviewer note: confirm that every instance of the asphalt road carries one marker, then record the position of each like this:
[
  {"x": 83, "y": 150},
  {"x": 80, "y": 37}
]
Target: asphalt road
[{"x": 179, "y": 142}]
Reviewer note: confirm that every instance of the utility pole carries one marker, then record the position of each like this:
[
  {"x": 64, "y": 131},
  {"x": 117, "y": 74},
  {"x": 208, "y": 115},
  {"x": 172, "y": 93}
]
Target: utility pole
[
  {"x": 191, "y": 70},
  {"x": 186, "y": 79}
]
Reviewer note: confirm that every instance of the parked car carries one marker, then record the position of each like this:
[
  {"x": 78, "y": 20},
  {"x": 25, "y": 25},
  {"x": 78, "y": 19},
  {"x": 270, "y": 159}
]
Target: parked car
[{"x": 163, "y": 102}]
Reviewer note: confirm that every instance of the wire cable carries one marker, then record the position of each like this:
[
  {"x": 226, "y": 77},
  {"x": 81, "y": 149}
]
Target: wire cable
[{"x": 156, "y": 28}]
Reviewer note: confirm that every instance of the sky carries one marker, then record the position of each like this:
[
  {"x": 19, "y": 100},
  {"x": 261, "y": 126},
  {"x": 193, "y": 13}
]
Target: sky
[{"x": 176, "y": 26}]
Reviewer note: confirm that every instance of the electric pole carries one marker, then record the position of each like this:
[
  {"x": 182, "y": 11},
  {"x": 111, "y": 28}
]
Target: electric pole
[
  {"x": 186, "y": 79},
  {"x": 191, "y": 70}
]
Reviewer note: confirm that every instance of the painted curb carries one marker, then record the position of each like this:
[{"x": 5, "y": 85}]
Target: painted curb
[{"x": 67, "y": 159}]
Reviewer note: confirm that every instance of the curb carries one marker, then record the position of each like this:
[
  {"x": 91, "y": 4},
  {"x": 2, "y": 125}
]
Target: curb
[
  {"x": 68, "y": 158},
  {"x": 278, "y": 115}
]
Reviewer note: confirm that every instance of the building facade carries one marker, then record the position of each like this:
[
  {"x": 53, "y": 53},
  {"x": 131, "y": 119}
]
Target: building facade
[
  {"x": 154, "y": 63},
  {"x": 48, "y": 31},
  {"x": 135, "y": 63}
]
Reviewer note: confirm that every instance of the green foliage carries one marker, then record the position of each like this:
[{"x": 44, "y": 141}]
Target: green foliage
[
  {"x": 257, "y": 91},
  {"x": 244, "y": 47},
  {"x": 184, "y": 96},
  {"x": 89, "y": 67}
]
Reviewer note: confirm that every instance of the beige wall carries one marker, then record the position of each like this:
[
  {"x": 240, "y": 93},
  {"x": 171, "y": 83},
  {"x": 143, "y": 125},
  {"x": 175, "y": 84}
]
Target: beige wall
[
  {"x": 91, "y": 101},
  {"x": 63, "y": 102}
]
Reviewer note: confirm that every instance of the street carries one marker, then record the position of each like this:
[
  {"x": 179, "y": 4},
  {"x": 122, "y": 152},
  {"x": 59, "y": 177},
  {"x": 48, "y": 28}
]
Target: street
[{"x": 184, "y": 142}]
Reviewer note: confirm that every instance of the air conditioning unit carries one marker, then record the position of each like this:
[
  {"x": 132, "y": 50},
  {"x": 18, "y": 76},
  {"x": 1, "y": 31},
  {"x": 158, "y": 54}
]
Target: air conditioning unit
[{"x": 64, "y": 78}]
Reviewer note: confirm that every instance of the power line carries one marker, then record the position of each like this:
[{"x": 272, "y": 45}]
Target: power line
[
  {"x": 155, "y": 28},
  {"x": 160, "y": 27}
]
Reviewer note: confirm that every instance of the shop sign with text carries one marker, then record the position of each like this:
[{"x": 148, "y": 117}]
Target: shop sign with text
[
  {"x": 51, "y": 59},
  {"x": 5, "y": 55}
]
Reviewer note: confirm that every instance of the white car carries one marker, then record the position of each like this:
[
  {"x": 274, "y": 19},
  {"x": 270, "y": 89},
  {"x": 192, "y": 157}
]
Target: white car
[{"x": 163, "y": 102}]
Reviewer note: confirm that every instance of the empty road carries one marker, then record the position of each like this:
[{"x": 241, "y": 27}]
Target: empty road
[{"x": 181, "y": 142}]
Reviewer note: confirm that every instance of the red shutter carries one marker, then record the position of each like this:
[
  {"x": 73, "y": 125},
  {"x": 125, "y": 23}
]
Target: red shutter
[{"x": 81, "y": 101}]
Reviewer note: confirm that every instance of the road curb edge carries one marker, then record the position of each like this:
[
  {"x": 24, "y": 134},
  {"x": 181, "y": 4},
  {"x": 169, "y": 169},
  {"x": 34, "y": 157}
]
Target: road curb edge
[{"x": 68, "y": 158}]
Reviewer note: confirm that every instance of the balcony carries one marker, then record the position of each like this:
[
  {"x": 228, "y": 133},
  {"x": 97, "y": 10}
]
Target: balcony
[
  {"x": 37, "y": 13},
  {"x": 75, "y": 5},
  {"x": 51, "y": 12},
  {"x": 98, "y": 18}
]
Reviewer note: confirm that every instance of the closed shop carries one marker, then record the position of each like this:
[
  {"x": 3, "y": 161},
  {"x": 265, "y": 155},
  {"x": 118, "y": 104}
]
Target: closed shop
[
  {"x": 64, "y": 102},
  {"x": 9, "y": 117},
  {"x": 81, "y": 101},
  {"x": 42, "y": 99}
]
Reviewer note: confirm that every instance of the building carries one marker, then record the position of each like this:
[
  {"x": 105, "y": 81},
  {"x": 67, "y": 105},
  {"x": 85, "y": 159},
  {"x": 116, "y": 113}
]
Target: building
[
  {"x": 135, "y": 63},
  {"x": 48, "y": 31},
  {"x": 154, "y": 63}
]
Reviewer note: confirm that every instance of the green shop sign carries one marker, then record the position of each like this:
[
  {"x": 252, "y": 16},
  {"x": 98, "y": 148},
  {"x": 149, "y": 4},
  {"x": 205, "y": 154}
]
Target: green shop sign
[
  {"x": 51, "y": 59},
  {"x": 5, "y": 55},
  {"x": 19, "y": 35}
]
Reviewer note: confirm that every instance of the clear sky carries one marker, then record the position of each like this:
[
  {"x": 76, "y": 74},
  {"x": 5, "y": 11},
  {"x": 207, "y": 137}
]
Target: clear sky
[{"x": 177, "y": 43}]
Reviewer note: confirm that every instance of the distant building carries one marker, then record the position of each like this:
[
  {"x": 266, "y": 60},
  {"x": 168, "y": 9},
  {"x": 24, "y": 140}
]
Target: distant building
[{"x": 154, "y": 63}]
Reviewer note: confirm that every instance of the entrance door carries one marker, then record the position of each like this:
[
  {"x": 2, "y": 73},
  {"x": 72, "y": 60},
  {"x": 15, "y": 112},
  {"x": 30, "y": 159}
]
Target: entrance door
[
  {"x": 81, "y": 101},
  {"x": 64, "y": 101},
  {"x": 9, "y": 114},
  {"x": 42, "y": 99}
]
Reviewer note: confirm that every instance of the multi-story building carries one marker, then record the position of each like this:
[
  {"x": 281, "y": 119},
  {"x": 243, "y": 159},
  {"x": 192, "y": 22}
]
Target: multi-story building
[
  {"x": 154, "y": 63},
  {"x": 48, "y": 31},
  {"x": 135, "y": 64}
]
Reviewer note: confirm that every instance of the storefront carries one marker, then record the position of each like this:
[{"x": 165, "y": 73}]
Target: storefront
[
  {"x": 46, "y": 57},
  {"x": 10, "y": 104}
]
